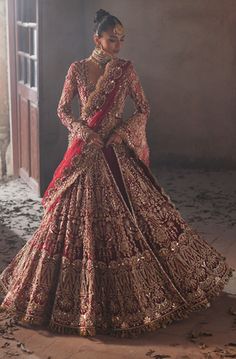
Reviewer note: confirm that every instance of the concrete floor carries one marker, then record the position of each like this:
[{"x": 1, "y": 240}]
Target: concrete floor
[{"x": 206, "y": 199}]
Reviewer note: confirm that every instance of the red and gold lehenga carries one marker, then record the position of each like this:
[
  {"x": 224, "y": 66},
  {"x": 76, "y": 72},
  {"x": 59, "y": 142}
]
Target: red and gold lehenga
[{"x": 112, "y": 254}]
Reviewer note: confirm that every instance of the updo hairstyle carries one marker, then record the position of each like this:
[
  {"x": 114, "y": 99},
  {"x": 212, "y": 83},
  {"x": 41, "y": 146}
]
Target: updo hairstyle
[{"x": 103, "y": 21}]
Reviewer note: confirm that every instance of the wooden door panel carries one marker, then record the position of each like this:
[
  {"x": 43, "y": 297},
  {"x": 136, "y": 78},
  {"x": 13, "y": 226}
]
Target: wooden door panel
[
  {"x": 24, "y": 134},
  {"x": 34, "y": 142},
  {"x": 23, "y": 17}
]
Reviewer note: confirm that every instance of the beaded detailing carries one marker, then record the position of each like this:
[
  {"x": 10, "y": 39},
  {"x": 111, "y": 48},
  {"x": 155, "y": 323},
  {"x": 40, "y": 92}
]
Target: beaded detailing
[
  {"x": 94, "y": 267},
  {"x": 100, "y": 57}
]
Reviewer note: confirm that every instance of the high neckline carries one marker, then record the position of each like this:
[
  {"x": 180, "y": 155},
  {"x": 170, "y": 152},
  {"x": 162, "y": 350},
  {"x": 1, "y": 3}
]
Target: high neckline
[{"x": 100, "y": 57}]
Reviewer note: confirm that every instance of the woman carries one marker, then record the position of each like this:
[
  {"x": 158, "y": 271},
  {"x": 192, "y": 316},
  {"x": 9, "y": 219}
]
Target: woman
[{"x": 112, "y": 253}]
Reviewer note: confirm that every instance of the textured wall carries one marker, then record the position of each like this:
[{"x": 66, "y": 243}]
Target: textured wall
[
  {"x": 61, "y": 41},
  {"x": 185, "y": 53}
]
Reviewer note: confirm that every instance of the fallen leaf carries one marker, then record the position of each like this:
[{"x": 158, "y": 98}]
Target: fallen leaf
[
  {"x": 156, "y": 356},
  {"x": 218, "y": 350},
  {"x": 23, "y": 348},
  {"x": 208, "y": 355},
  {"x": 10, "y": 354},
  {"x": 205, "y": 334},
  {"x": 150, "y": 352},
  {"x": 202, "y": 346},
  {"x": 7, "y": 336},
  {"x": 193, "y": 335}
]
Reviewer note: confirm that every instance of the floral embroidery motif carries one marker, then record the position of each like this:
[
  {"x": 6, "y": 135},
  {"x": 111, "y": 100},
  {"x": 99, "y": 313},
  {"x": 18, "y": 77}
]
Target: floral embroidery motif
[{"x": 93, "y": 266}]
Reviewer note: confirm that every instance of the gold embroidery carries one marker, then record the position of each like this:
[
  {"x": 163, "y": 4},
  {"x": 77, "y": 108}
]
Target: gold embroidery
[{"x": 94, "y": 267}]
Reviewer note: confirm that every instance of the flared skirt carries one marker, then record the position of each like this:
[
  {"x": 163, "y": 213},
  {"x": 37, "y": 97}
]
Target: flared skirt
[{"x": 114, "y": 257}]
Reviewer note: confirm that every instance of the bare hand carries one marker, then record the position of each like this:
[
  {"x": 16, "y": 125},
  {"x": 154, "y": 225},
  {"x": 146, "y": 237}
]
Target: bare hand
[
  {"x": 114, "y": 138},
  {"x": 95, "y": 139}
]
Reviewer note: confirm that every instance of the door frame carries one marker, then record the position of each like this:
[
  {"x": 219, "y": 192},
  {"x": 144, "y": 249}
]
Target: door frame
[
  {"x": 14, "y": 126},
  {"x": 16, "y": 89}
]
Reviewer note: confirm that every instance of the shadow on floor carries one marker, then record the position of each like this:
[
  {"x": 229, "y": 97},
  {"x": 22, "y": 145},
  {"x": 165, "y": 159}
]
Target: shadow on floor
[{"x": 10, "y": 244}]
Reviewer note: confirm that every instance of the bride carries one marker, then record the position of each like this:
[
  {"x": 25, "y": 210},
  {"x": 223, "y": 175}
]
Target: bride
[{"x": 112, "y": 254}]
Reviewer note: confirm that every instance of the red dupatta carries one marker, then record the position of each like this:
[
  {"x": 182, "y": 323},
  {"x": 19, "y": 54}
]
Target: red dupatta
[{"x": 97, "y": 106}]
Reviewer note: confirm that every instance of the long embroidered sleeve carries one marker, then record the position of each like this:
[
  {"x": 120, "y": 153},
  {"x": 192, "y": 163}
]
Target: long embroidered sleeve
[
  {"x": 64, "y": 109},
  {"x": 133, "y": 130},
  {"x": 112, "y": 254}
]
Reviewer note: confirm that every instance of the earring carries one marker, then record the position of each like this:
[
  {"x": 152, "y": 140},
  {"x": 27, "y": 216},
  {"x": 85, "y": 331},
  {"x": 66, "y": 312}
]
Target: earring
[{"x": 99, "y": 49}]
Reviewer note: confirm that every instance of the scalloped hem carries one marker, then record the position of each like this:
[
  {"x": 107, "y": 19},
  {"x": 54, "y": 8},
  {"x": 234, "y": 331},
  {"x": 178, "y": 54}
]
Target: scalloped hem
[{"x": 178, "y": 314}]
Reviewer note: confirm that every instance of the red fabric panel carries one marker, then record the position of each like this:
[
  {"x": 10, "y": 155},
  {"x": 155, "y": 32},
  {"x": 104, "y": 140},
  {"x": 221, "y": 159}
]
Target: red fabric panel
[{"x": 114, "y": 166}]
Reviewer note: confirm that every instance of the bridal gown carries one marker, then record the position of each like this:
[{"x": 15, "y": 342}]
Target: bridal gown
[{"x": 114, "y": 255}]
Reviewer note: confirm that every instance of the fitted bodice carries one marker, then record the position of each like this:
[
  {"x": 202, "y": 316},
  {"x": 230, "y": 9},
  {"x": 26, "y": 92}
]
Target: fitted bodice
[
  {"x": 85, "y": 87},
  {"x": 92, "y": 96}
]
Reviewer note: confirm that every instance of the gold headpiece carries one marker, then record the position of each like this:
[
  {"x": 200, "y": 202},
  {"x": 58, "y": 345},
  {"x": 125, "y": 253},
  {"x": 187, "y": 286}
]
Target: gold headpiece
[{"x": 119, "y": 30}]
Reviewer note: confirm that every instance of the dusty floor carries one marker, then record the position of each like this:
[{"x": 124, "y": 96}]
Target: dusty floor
[{"x": 207, "y": 200}]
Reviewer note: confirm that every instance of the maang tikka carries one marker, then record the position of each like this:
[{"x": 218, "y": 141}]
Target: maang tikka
[{"x": 99, "y": 55}]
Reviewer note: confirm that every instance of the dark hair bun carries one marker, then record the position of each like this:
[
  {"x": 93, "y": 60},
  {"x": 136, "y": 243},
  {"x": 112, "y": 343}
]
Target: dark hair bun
[{"x": 100, "y": 14}]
